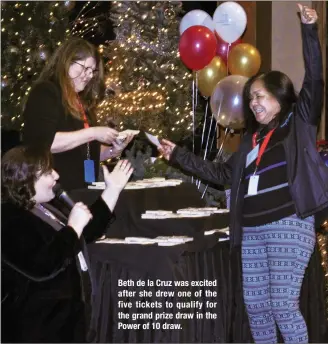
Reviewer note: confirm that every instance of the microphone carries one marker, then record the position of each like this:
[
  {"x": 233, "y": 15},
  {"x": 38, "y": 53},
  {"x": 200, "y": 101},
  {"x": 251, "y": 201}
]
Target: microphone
[{"x": 63, "y": 196}]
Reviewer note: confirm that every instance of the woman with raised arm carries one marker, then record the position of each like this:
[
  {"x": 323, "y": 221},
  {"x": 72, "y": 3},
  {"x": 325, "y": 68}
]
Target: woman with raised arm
[
  {"x": 42, "y": 252},
  {"x": 60, "y": 112},
  {"x": 278, "y": 182}
]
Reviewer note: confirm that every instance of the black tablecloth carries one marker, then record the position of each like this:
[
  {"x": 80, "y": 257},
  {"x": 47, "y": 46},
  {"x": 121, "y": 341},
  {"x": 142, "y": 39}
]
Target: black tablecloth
[
  {"x": 132, "y": 203},
  {"x": 204, "y": 258},
  {"x": 218, "y": 263}
]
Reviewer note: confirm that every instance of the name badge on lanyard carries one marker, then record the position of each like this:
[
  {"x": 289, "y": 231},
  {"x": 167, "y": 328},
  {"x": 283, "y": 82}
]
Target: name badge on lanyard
[
  {"x": 89, "y": 171},
  {"x": 253, "y": 185},
  {"x": 89, "y": 165},
  {"x": 256, "y": 153},
  {"x": 84, "y": 266}
]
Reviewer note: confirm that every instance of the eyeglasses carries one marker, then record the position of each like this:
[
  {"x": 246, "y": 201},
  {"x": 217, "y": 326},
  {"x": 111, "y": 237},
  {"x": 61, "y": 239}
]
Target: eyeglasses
[{"x": 87, "y": 70}]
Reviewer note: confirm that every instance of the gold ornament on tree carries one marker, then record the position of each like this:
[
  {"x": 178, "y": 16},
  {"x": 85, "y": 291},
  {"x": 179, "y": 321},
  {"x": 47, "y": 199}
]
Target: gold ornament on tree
[
  {"x": 144, "y": 16},
  {"x": 169, "y": 13},
  {"x": 142, "y": 82},
  {"x": 42, "y": 53},
  {"x": 5, "y": 82},
  {"x": 244, "y": 59},
  {"x": 13, "y": 49}
]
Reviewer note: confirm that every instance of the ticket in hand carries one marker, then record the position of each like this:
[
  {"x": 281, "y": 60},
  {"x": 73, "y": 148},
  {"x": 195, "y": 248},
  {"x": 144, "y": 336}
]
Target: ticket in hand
[
  {"x": 153, "y": 139},
  {"x": 124, "y": 134}
]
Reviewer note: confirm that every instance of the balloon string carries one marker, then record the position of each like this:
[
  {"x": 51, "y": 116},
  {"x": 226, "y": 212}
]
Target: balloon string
[
  {"x": 196, "y": 91},
  {"x": 228, "y": 51},
  {"x": 213, "y": 137},
  {"x": 218, "y": 154},
  {"x": 193, "y": 117},
  {"x": 205, "y": 120},
  {"x": 203, "y": 133}
]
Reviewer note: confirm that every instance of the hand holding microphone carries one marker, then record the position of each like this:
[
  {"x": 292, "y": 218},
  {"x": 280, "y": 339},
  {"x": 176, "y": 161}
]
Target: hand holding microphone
[{"x": 79, "y": 216}]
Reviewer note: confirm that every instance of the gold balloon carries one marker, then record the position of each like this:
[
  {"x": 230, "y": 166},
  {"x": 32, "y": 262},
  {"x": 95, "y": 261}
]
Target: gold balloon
[
  {"x": 210, "y": 75},
  {"x": 244, "y": 59}
]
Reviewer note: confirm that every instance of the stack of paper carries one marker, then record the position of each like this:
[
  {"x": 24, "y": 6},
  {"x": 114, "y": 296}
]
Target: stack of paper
[
  {"x": 160, "y": 240},
  {"x": 210, "y": 210},
  {"x": 142, "y": 184}
]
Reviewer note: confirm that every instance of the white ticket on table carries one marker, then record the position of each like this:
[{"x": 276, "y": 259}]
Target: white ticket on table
[{"x": 212, "y": 231}]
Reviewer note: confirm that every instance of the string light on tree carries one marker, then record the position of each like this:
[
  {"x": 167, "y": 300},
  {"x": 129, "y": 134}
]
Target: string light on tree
[
  {"x": 30, "y": 32},
  {"x": 144, "y": 58}
]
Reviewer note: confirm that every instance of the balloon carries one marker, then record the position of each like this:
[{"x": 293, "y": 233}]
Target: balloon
[
  {"x": 210, "y": 75},
  {"x": 244, "y": 59},
  {"x": 230, "y": 21},
  {"x": 196, "y": 17},
  {"x": 223, "y": 49},
  {"x": 226, "y": 102},
  {"x": 324, "y": 157},
  {"x": 197, "y": 47}
]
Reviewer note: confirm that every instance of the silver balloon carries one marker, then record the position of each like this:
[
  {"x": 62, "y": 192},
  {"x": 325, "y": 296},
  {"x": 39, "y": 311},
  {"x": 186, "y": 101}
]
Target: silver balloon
[{"x": 227, "y": 103}]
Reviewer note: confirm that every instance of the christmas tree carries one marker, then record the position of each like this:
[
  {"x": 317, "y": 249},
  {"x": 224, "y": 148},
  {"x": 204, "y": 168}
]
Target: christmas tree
[
  {"x": 148, "y": 86},
  {"x": 30, "y": 32}
]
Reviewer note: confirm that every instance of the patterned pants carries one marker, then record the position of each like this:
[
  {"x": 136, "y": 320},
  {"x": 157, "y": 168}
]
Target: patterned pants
[{"x": 274, "y": 259}]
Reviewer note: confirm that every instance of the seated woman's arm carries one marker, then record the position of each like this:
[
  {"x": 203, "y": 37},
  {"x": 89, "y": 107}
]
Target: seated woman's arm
[{"x": 102, "y": 210}]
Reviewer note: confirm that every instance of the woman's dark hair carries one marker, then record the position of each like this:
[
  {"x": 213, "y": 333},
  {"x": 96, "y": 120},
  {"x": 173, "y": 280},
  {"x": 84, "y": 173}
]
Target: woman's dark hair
[
  {"x": 281, "y": 87},
  {"x": 74, "y": 49},
  {"x": 20, "y": 168}
]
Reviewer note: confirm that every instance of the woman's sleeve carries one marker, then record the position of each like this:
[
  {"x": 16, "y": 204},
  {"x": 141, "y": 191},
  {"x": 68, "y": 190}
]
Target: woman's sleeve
[
  {"x": 216, "y": 173},
  {"x": 41, "y": 115},
  {"x": 38, "y": 256},
  {"x": 310, "y": 100},
  {"x": 102, "y": 217}
]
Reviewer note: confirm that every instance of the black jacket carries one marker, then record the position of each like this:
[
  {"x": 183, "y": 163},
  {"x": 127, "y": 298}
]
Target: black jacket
[
  {"x": 307, "y": 174},
  {"x": 41, "y": 284}
]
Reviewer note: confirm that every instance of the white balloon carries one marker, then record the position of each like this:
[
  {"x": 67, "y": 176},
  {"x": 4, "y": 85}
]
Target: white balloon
[
  {"x": 196, "y": 17},
  {"x": 230, "y": 21}
]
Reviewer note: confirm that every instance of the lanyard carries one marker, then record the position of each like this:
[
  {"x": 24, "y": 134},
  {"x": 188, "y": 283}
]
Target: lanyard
[
  {"x": 86, "y": 125},
  {"x": 262, "y": 147},
  {"x": 85, "y": 119}
]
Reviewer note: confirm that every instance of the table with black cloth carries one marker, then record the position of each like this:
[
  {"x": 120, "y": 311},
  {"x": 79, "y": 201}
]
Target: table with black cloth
[{"x": 205, "y": 258}]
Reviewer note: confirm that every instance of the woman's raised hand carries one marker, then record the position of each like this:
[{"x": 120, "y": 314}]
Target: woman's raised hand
[
  {"x": 104, "y": 134},
  {"x": 117, "y": 179},
  {"x": 166, "y": 148},
  {"x": 308, "y": 15}
]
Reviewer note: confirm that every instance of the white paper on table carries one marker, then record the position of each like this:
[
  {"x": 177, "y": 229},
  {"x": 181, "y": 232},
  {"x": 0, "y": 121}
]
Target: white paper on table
[
  {"x": 223, "y": 239},
  {"x": 153, "y": 139},
  {"x": 212, "y": 231}
]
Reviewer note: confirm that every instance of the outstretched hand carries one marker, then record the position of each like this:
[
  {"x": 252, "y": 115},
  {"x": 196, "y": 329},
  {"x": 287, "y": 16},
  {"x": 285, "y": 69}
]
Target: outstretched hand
[
  {"x": 308, "y": 15},
  {"x": 117, "y": 179},
  {"x": 166, "y": 148}
]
